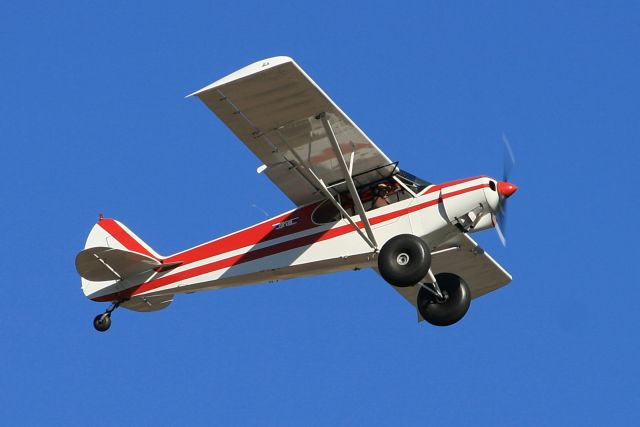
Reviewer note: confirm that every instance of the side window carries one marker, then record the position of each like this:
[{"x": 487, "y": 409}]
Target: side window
[
  {"x": 325, "y": 213},
  {"x": 381, "y": 194},
  {"x": 400, "y": 195}
]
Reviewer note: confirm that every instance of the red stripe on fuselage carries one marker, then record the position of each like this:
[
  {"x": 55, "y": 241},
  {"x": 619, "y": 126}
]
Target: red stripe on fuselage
[
  {"x": 249, "y": 237},
  {"x": 439, "y": 187},
  {"x": 227, "y": 245},
  {"x": 264, "y": 232},
  {"x": 464, "y": 190}
]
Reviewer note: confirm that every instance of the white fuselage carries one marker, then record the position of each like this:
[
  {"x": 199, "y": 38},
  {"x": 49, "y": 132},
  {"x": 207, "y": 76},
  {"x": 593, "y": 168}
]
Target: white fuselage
[{"x": 292, "y": 245}]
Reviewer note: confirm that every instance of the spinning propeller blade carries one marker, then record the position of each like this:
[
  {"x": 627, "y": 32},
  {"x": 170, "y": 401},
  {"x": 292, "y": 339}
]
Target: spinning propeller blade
[
  {"x": 509, "y": 160},
  {"x": 505, "y": 189},
  {"x": 503, "y": 239}
]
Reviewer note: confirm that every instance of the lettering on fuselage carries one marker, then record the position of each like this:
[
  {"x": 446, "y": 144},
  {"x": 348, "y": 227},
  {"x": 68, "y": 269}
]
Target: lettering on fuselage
[{"x": 287, "y": 223}]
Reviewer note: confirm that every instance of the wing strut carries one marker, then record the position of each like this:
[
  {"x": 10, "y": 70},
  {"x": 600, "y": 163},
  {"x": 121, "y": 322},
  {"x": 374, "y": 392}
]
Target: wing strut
[
  {"x": 357, "y": 203},
  {"x": 345, "y": 214},
  {"x": 319, "y": 184}
]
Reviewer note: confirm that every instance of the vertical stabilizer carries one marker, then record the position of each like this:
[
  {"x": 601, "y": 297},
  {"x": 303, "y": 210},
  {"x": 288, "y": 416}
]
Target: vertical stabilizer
[
  {"x": 113, "y": 234},
  {"x": 114, "y": 258}
]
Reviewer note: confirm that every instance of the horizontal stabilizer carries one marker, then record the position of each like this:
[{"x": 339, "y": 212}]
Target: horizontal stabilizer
[
  {"x": 146, "y": 304},
  {"x": 100, "y": 264}
]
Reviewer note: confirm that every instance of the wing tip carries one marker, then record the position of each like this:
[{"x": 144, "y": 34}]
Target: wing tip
[{"x": 246, "y": 71}]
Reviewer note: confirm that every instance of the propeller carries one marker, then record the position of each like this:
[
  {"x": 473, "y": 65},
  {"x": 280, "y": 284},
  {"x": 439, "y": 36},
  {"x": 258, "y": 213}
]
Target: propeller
[{"x": 505, "y": 189}]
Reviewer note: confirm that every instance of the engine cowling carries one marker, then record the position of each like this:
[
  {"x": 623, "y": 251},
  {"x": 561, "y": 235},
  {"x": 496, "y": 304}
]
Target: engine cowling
[{"x": 484, "y": 223}]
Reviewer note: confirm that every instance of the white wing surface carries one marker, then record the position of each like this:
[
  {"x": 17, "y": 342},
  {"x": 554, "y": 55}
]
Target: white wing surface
[
  {"x": 272, "y": 106},
  {"x": 466, "y": 259}
]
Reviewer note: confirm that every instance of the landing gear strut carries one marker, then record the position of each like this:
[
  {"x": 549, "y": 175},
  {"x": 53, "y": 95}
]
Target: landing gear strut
[
  {"x": 445, "y": 301},
  {"x": 102, "y": 322}
]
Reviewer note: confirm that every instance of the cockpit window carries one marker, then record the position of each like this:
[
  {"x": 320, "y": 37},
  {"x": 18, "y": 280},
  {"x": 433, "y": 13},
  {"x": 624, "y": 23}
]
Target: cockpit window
[
  {"x": 414, "y": 183},
  {"x": 373, "y": 196}
]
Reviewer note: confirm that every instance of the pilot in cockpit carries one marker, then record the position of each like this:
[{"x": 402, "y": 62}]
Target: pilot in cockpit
[{"x": 381, "y": 195}]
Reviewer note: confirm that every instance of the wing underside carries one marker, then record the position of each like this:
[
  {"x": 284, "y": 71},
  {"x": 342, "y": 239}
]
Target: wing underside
[{"x": 273, "y": 106}]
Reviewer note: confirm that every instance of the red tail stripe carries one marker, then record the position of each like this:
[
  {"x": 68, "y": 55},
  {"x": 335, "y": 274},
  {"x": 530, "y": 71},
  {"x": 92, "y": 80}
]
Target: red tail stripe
[{"x": 125, "y": 239}]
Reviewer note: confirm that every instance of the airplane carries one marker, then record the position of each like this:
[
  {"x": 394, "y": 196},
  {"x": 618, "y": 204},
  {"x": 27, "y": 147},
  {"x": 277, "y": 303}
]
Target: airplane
[{"x": 355, "y": 209}]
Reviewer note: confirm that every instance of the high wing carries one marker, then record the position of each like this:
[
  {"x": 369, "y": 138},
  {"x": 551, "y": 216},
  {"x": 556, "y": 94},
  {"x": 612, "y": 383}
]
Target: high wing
[
  {"x": 275, "y": 108},
  {"x": 461, "y": 255}
]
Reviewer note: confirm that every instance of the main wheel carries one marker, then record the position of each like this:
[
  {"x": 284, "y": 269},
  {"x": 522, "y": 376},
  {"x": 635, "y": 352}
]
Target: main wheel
[
  {"x": 452, "y": 308},
  {"x": 102, "y": 322},
  {"x": 404, "y": 260}
]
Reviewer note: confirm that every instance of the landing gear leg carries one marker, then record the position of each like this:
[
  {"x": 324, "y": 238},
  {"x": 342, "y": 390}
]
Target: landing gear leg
[
  {"x": 433, "y": 287},
  {"x": 444, "y": 301},
  {"x": 102, "y": 322}
]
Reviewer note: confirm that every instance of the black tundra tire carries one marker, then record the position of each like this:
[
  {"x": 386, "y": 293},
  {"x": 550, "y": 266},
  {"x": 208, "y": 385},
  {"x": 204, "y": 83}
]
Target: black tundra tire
[
  {"x": 404, "y": 260},
  {"x": 454, "y": 306}
]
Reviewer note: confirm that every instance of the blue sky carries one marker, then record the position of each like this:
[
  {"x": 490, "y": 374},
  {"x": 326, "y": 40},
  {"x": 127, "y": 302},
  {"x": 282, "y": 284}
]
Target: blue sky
[{"x": 93, "y": 119}]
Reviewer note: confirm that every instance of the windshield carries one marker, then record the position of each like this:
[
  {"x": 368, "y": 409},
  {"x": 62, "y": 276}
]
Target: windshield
[{"x": 414, "y": 183}]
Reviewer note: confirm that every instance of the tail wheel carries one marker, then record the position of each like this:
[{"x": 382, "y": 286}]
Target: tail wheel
[
  {"x": 102, "y": 322},
  {"x": 450, "y": 309},
  {"x": 404, "y": 260}
]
